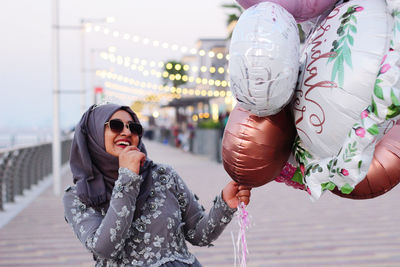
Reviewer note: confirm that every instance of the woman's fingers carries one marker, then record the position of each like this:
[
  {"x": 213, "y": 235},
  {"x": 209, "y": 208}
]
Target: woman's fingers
[
  {"x": 244, "y": 194},
  {"x": 244, "y": 187},
  {"x": 132, "y": 158},
  {"x": 245, "y": 200},
  {"x": 234, "y": 193}
]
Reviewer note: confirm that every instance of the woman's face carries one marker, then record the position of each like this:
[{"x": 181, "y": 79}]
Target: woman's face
[{"x": 116, "y": 142}]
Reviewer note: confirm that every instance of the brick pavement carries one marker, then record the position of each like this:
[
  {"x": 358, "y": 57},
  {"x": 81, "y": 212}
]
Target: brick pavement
[{"x": 287, "y": 228}]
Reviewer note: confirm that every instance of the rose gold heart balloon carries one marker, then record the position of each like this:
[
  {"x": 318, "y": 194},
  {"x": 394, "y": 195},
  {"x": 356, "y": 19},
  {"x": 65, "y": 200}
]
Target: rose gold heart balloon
[
  {"x": 254, "y": 149},
  {"x": 384, "y": 171}
]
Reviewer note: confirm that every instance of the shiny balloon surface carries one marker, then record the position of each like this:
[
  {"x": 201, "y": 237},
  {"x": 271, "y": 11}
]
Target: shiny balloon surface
[
  {"x": 254, "y": 149},
  {"x": 339, "y": 69},
  {"x": 264, "y": 59},
  {"x": 384, "y": 171}
]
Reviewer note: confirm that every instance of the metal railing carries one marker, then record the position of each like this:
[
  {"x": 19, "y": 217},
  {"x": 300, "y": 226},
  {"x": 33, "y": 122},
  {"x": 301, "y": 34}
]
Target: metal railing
[{"x": 23, "y": 166}]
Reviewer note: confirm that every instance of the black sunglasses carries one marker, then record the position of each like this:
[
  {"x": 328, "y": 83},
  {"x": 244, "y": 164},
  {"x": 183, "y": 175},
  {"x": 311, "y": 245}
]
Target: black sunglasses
[{"x": 117, "y": 126}]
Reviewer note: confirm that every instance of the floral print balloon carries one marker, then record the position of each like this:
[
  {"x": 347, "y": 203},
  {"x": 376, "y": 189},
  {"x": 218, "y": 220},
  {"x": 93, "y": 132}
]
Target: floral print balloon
[
  {"x": 384, "y": 171},
  {"x": 348, "y": 94}
]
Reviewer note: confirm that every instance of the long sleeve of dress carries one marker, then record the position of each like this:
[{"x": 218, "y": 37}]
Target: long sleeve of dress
[
  {"x": 199, "y": 227},
  {"x": 105, "y": 235}
]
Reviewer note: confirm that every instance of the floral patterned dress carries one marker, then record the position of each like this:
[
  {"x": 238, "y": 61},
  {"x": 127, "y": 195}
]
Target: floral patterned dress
[{"x": 171, "y": 215}]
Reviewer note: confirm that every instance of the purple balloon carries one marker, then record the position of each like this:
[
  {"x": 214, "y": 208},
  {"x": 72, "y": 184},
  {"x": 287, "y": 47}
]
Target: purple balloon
[{"x": 301, "y": 10}]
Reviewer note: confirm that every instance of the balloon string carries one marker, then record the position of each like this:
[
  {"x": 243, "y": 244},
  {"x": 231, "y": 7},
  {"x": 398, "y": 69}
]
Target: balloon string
[
  {"x": 234, "y": 248},
  {"x": 241, "y": 244}
]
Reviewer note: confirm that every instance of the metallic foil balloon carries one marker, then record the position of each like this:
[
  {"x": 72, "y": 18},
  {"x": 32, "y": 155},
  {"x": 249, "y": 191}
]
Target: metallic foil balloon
[
  {"x": 340, "y": 63},
  {"x": 254, "y": 149},
  {"x": 384, "y": 171},
  {"x": 343, "y": 103},
  {"x": 264, "y": 59},
  {"x": 301, "y": 9}
]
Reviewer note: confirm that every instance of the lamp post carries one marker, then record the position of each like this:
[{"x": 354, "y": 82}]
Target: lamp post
[
  {"x": 56, "y": 148},
  {"x": 56, "y": 144},
  {"x": 83, "y": 23},
  {"x": 92, "y": 69},
  {"x": 83, "y": 80}
]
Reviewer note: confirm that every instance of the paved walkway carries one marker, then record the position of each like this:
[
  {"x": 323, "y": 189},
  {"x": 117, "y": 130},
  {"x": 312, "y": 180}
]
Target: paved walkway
[{"x": 287, "y": 228}]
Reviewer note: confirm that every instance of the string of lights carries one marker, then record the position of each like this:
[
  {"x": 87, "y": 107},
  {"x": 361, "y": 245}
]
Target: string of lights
[
  {"x": 89, "y": 28},
  {"x": 135, "y": 93},
  {"x": 127, "y": 61},
  {"x": 111, "y": 93},
  {"x": 139, "y": 65},
  {"x": 127, "y": 90},
  {"x": 144, "y": 86}
]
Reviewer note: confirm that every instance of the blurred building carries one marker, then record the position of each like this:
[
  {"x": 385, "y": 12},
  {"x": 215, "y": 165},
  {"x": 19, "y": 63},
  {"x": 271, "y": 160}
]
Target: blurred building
[{"x": 210, "y": 91}]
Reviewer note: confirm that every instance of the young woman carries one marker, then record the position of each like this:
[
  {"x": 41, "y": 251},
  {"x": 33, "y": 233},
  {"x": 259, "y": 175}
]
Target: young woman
[{"x": 129, "y": 211}]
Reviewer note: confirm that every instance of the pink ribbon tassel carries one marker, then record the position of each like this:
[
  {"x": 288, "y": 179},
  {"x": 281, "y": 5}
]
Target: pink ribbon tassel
[{"x": 241, "y": 244}]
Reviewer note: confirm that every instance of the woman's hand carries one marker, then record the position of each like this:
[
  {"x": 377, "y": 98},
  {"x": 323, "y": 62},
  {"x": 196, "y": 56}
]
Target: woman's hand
[
  {"x": 131, "y": 158},
  {"x": 233, "y": 194}
]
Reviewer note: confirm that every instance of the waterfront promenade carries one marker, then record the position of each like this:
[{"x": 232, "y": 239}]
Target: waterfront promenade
[{"x": 287, "y": 228}]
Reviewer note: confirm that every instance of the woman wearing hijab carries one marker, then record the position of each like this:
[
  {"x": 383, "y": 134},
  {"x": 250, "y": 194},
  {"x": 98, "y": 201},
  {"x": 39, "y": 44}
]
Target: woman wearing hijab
[{"x": 129, "y": 211}]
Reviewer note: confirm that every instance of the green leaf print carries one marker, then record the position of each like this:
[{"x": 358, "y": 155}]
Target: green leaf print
[
  {"x": 378, "y": 92},
  {"x": 374, "y": 130},
  {"x": 347, "y": 56},
  {"x": 374, "y": 108},
  {"x": 351, "y": 39},
  {"x": 395, "y": 100},
  {"x": 300, "y": 153},
  {"x": 297, "y": 177},
  {"x": 346, "y": 189},
  {"x": 342, "y": 46},
  {"x": 341, "y": 72},
  {"x": 393, "y": 111},
  {"x": 328, "y": 186},
  {"x": 349, "y": 153},
  {"x": 394, "y": 108}
]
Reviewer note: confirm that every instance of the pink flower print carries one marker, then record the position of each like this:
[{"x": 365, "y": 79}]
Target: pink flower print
[
  {"x": 364, "y": 114},
  {"x": 280, "y": 179},
  {"x": 302, "y": 169},
  {"x": 360, "y": 131},
  {"x": 308, "y": 191},
  {"x": 300, "y": 186},
  {"x": 384, "y": 68},
  {"x": 383, "y": 60},
  {"x": 344, "y": 172},
  {"x": 291, "y": 183},
  {"x": 359, "y": 9}
]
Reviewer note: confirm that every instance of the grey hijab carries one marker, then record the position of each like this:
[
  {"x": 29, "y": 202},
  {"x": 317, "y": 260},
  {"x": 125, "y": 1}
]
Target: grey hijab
[{"x": 94, "y": 170}]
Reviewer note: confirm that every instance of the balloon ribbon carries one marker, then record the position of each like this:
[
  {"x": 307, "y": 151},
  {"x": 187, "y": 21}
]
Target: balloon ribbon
[{"x": 241, "y": 244}]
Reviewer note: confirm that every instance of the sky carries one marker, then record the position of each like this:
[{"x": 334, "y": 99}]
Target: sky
[{"x": 26, "y": 101}]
